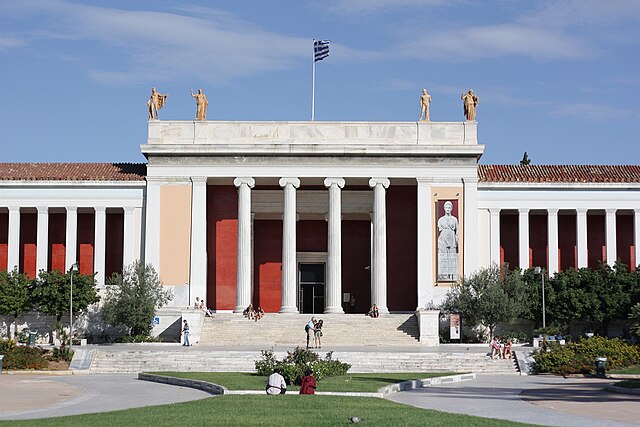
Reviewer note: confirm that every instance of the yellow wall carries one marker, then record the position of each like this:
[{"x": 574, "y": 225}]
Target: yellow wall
[
  {"x": 175, "y": 233},
  {"x": 447, "y": 193}
]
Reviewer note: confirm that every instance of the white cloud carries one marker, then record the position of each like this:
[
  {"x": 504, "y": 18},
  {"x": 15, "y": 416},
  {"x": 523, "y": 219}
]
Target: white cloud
[
  {"x": 583, "y": 13},
  {"x": 355, "y": 7},
  {"x": 7, "y": 43},
  {"x": 593, "y": 112}
]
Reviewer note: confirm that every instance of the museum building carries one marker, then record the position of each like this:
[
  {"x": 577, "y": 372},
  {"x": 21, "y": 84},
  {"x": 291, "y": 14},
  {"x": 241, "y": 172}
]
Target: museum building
[{"x": 306, "y": 216}]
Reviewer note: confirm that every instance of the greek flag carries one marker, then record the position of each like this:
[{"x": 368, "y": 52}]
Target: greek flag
[{"x": 320, "y": 49}]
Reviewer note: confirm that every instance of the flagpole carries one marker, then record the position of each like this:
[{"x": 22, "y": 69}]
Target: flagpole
[{"x": 313, "y": 81}]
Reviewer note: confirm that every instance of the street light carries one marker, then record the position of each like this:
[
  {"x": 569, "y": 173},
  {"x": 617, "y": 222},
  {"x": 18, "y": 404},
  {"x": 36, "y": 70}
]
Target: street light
[
  {"x": 540, "y": 271},
  {"x": 74, "y": 268}
]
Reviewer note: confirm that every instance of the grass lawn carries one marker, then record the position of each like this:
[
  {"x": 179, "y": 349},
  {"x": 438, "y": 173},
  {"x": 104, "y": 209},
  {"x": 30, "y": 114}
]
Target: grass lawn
[
  {"x": 635, "y": 369},
  {"x": 263, "y": 410},
  {"x": 628, "y": 384},
  {"x": 344, "y": 383}
]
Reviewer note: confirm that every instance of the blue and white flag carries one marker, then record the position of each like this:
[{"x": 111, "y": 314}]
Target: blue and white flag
[{"x": 320, "y": 49}]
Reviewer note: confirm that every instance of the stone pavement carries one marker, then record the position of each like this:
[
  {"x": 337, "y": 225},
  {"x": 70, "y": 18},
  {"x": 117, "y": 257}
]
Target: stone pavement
[
  {"x": 544, "y": 400},
  {"x": 29, "y": 396}
]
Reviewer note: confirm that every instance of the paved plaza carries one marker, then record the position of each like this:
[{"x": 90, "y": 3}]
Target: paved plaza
[{"x": 542, "y": 400}]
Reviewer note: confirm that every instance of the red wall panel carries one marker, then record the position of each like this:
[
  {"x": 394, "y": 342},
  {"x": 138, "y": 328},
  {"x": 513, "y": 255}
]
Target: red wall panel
[
  {"x": 596, "y": 246},
  {"x": 28, "y": 239},
  {"x": 624, "y": 240},
  {"x": 509, "y": 239},
  {"x": 267, "y": 270},
  {"x": 312, "y": 236},
  {"x": 567, "y": 240},
  {"x": 114, "y": 245},
  {"x": 86, "y": 237},
  {"x": 356, "y": 255},
  {"x": 222, "y": 246},
  {"x": 4, "y": 241},
  {"x": 538, "y": 241},
  {"x": 402, "y": 248},
  {"x": 57, "y": 239}
]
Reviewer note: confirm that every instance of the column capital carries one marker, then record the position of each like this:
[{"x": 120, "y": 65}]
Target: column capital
[
  {"x": 14, "y": 209},
  {"x": 250, "y": 182},
  {"x": 100, "y": 209},
  {"x": 523, "y": 211},
  {"x": 328, "y": 182},
  {"x": 71, "y": 208},
  {"x": 552, "y": 211},
  {"x": 495, "y": 211},
  {"x": 611, "y": 211},
  {"x": 128, "y": 209},
  {"x": 581, "y": 211},
  {"x": 379, "y": 181},
  {"x": 43, "y": 209},
  {"x": 199, "y": 180},
  {"x": 295, "y": 182}
]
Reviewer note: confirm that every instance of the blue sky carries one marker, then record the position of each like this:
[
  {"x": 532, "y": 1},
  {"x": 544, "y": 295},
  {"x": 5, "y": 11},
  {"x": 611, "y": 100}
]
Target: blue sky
[{"x": 554, "y": 78}]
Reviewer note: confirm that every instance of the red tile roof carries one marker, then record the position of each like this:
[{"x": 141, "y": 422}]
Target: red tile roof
[
  {"x": 72, "y": 171},
  {"x": 560, "y": 173}
]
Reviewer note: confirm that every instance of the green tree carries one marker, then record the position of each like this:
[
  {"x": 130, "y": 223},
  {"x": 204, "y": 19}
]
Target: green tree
[
  {"x": 488, "y": 297},
  {"x": 52, "y": 291},
  {"x": 133, "y": 298},
  {"x": 634, "y": 316},
  {"x": 15, "y": 296}
]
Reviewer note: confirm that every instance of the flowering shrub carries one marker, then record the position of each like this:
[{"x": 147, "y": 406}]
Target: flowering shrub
[
  {"x": 292, "y": 367},
  {"x": 579, "y": 358},
  {"x": 19, "y": 357}
]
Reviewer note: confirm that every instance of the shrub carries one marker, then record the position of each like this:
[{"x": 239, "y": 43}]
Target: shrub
[
  {"x": 579, "y": 358},
  {"x": 16, "y": 357},
  {"x": 137, "y": 338},
  {"x": 62, "y": 353},
  {"x": 294, "y": 364},
  {"x": 515, "y": 337}
]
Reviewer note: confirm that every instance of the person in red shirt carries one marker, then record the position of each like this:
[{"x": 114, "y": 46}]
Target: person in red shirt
[{"x": 308, "y": 385}]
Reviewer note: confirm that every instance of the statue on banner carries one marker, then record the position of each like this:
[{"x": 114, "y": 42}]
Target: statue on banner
[
  {"x": 201, "y": 104},
  {"x": 156, "y": 101},
  {"x": 470, "y": 102},
  {"x": 448, "y": 244},
  {"x": 425, "y": 100}
]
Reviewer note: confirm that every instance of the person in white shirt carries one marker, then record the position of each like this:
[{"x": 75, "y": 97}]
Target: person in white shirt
[{"x": 276, "y": 383}]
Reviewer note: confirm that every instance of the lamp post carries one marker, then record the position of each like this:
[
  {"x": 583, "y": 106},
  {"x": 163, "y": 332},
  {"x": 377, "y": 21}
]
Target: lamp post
[
  {"x": 74, "y": 268},
  {"x": 540, "y": 271}
]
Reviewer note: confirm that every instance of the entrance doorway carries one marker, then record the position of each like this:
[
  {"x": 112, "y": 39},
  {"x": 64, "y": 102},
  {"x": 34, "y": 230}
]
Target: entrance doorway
[{"x": 311, "y": 281}]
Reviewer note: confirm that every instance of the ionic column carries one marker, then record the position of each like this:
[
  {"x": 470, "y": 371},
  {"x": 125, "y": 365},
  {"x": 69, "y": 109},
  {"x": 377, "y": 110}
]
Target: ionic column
[
  {"x": 494, "y": 234},
  {"x": 425, "y": 244},
  {"x": 243, "y": 275},
  {"x": 523, "y": 238},
  {"x": 581, "y": 238},
  {"x": 289, "y": 262},
  {"x": 71, "y": 239},
  {"x": 636, "y": 232},
  {"x": 379, "y": 267},
  {"x": 333, "y": 291},
  {"x": 128, "y": 237},
  {"x": 152, "y": 227},
  {"x": 611, "y": 238},
  {"x": 13, "y": 250},
  {"x": 42, "y": 240},
  {"x": 470, "y": 225},
  {"x": 552, "y": 239},
  {"x": 100, "y": 244},
  {"x": 198, "y": 271}
]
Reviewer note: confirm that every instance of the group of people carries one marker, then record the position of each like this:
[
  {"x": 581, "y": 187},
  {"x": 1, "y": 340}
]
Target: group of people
[
  {"x": 253, "y": 314},
  {"x": 200, "y": 305},
  {"x": 313, "y": 328},
  {"x": 501, "y": 350},
  {"x": 277, "y": 385},
  {"x": 374, "y": 312}
]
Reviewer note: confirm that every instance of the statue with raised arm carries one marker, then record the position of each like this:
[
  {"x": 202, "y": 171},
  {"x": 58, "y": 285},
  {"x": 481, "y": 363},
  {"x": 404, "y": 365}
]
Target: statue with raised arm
[
  {"x": 201, "y": 104},
  {"x": 425, "y": 100},
  {"x": 156, "y": 101},
  {"x": 470, "y": 101}
]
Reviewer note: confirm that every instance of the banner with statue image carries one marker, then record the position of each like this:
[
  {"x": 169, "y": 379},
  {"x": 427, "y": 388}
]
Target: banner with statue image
[{"x": 448, "y": 250}]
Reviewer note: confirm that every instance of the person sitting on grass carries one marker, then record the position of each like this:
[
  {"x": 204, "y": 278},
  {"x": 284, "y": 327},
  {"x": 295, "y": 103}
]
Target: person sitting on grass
[
  {"x": 308, "y": 383},
  {"x": 259, "y": 313},
  {"x": 276, "y": 383}
]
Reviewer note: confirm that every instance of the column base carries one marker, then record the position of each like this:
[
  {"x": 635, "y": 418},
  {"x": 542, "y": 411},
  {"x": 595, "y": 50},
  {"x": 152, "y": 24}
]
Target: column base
[
  {"x": 333, "y": 310},
  {"x": 383, "y": 310},
  {"x": 288, "y": 310},
  {"x": 239, "y": 309}
]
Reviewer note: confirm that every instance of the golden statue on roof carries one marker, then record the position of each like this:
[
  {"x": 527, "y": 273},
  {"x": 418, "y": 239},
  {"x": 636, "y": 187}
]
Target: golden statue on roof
[{"x": 156, "y": 101}]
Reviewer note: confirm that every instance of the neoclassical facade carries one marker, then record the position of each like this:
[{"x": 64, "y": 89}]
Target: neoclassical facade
[{"x": 315, "y": 217}]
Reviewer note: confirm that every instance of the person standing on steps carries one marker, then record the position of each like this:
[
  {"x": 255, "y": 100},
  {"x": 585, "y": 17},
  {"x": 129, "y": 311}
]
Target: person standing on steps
[
  {"x": 310, "y": 330},
  {"x": 318, "y": 334},
  {"x": 185, "y": 334}
]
